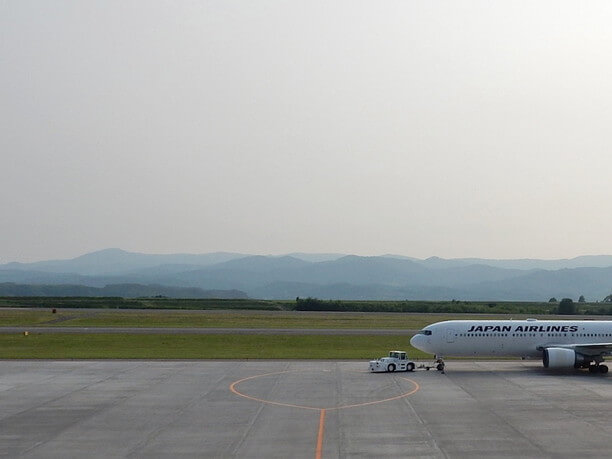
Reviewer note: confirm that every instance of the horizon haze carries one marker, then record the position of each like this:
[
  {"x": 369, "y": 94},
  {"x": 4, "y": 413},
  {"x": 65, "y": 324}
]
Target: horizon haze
[{"x": 450, "y": 129}]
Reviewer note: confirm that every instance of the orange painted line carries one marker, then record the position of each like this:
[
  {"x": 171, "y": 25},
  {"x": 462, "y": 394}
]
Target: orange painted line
[
  {"x": 322, "y": 411},
  {"x": 375, "y": 402},
  {"x": 319, "y": 450},
  {"x": 233, "y": 385},
  {"x": 271, "y": 402}
]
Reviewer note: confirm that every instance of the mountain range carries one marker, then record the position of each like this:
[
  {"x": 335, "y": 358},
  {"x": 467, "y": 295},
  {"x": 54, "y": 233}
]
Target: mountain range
[{"x": 327, "y": 276}]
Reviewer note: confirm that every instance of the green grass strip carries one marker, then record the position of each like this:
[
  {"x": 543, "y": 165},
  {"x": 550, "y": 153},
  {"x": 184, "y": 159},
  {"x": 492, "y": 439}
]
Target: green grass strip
[
  {"x": 232, "y": 346},
  {"x": 235, "y": 319}
]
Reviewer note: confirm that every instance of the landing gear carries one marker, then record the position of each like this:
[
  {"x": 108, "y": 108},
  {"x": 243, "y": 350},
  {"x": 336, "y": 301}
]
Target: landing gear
[
  {"x": 438, "y": 364},
  {"x": 597, "y": 368}
]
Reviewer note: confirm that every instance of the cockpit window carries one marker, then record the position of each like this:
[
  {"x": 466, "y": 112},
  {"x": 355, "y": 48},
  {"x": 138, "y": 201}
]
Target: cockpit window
[{"x": 424, "y": 332}]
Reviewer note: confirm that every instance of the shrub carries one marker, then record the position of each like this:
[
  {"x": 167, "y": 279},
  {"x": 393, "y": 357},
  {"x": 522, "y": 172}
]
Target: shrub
[{"x": 567, "y": 306}]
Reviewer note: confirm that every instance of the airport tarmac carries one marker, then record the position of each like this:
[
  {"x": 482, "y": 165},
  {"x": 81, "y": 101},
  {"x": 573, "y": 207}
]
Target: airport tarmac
[{"x": 309, "y": 409}]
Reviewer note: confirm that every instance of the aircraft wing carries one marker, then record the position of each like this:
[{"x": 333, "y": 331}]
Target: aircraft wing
[{"x": 588, "y": 349}]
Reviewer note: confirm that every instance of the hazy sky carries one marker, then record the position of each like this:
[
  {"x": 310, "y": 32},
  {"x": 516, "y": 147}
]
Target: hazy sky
[{"x": 449, "y": 128}]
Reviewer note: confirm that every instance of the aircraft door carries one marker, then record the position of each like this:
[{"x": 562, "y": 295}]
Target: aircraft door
[{"x": 450, "y": 335}]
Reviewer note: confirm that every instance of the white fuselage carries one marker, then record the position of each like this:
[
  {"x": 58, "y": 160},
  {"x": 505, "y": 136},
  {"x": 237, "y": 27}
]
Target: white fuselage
[{"x": 521, "y": 338}]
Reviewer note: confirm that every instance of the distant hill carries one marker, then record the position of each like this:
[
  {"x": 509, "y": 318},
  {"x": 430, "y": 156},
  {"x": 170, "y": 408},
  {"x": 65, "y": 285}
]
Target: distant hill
[
  {"x": 594, "y": 283},
  {"x": 316, "y": 257},
  {"x": 327, "y": 276},
  {"x": 117, "y": 290},
  {"x": 587, "y": 261},
  {"x": 117, "y": 261}
]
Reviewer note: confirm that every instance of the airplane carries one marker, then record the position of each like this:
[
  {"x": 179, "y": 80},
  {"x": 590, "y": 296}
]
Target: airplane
[{"x": 559, "y": 343}]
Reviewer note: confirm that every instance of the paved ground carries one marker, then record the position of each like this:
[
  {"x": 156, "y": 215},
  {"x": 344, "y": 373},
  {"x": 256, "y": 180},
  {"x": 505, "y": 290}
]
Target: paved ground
[{"x": 267, "y": 409}]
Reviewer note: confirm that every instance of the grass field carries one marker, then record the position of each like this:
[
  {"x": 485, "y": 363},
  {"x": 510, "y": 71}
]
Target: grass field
[
  {"x": 143, "y": 303},
  {"x": 125, "y": 346},
  {"x": 222, "y": 319},
  {"x": 225, "y": 346}
]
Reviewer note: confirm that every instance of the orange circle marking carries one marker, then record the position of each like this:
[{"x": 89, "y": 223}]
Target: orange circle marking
[{"x": 290, "y": 405}]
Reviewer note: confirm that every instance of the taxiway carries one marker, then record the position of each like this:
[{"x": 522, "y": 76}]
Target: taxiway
[{"x": 309, "y": 409}]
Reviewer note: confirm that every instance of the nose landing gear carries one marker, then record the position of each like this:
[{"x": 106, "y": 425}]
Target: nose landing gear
[{"x": 438, "y": 364}]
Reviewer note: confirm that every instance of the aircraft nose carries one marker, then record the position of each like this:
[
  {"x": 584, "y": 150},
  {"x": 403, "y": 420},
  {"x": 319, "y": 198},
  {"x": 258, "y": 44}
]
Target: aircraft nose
[{"x": 418, "y": 342}]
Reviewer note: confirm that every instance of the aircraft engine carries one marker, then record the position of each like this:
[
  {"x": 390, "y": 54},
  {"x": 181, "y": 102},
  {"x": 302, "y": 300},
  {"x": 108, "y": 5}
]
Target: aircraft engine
[{"x": 558, "y": 357}]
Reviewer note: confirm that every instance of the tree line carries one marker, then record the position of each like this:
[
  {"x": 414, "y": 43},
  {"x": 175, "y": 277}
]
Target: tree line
[{"x": 565, "y": 307}]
